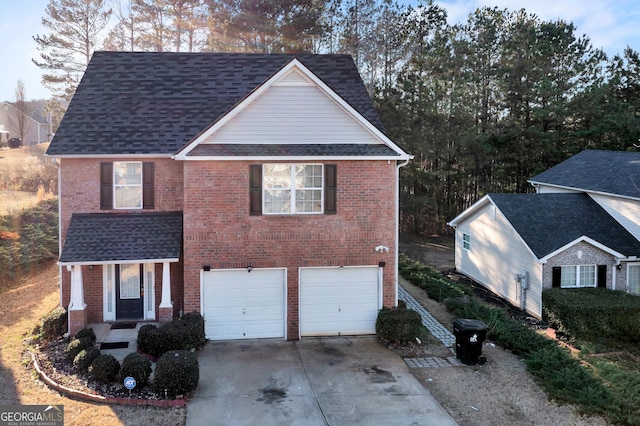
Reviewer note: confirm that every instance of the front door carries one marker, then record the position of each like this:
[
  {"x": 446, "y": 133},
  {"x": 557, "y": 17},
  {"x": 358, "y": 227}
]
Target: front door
[{"x": 129, "y": 292}]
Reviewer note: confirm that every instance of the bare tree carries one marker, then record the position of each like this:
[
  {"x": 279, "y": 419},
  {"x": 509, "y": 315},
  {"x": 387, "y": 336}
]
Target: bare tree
[{"x": 19, "y": 119}]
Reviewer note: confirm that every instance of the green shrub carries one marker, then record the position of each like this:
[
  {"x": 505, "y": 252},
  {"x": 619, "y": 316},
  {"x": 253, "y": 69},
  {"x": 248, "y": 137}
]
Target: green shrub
[
  {"x": 137, "y": 366},
  {"x": 184, "y": 333},
  {"x": 573, "y": 312},
  {"x": 105, "y": 367},
  {"x": 398, "y": 325},
  {"x": 429, "y": 279},
  {"x": 86, "y": 332},
  {"x": 177, "y": 373},
  {"x": 149, "y": 340},
  {"x": 76, "y": 345},
  {"x": 54, "y": 324},
  {"x": 85, "y": 357},
  {"x": 196, "y": 336}
]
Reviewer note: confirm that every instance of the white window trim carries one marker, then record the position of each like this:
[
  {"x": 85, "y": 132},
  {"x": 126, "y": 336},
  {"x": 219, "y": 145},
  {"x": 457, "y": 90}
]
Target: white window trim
[
  {"x": 292, "y": 188},
  {"x": 466, "y": 242},
  {"x": 149, "y": 298},
  {"x": 116, "y": 185},
  {"x": 578, "y": 284},
  {"x": 628, "y": 284},
  {"x": 109, "y": 298}
]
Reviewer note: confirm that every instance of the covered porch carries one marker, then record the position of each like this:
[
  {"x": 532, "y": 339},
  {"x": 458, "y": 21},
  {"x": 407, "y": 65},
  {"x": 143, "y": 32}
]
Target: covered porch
[{"x": 119, "y": 266}]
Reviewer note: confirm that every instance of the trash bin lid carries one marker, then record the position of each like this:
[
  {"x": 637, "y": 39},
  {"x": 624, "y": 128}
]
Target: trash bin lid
[{"x": 464, "y": 324}]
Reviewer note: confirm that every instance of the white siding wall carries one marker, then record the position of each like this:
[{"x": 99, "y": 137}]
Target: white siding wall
[
  {"x": 626, "y": 212},
  {"x": 496, "y": 256},
  {"x": 543, "y": 189},
  {"x": 293, "y": 113}
]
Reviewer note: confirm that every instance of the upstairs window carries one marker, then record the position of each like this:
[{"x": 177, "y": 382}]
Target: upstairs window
[
  {"x": 287, "y": 189},
  {"x": 126, "y": 185}
]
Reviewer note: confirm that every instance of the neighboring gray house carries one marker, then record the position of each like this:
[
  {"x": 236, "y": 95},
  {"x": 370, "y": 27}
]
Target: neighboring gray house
[
  {"x": 581, "y": 229},
  {"x": 36, "y": 132}
]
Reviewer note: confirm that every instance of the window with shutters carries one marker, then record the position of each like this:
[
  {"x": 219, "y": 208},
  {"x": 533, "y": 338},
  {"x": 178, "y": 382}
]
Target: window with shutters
[
  {"x": 127, "y": 185},
  {"x": 578, "y": 276},
  {"x": 286, "y": 189}
]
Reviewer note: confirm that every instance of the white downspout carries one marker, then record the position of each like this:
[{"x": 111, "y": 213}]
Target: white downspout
[{"x": 396, "y": 273}]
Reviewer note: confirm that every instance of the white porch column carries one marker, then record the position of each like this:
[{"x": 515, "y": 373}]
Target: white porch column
[
  {"x": 76, "y": 302},
  {"x": 166, "y": 286}
]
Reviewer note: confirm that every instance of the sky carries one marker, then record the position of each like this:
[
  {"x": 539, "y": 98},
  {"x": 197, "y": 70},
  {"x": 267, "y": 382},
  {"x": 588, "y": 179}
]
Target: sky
[{"x": 610, "y": 24}]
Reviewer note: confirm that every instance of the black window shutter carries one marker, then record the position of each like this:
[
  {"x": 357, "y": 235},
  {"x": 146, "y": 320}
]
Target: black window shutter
[
  {"x": 106, "y": 186},
  {"x": 556, "y": 275},
  {"x": 330, "y": 189},
  {"x": 602, "y": 276},
  {"x": 255, "y": 189},
  {"x": 148, "y": 186}
]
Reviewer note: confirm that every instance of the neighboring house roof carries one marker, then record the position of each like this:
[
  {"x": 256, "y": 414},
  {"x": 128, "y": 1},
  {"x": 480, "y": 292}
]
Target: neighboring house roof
[
  {"x": 147, "y": 103},
  {"x": 109, "y": 237},
  {"x": 548, "y": 222},
  {"x": 8, "y": 105},
  {"x": 608, "y": 172}
]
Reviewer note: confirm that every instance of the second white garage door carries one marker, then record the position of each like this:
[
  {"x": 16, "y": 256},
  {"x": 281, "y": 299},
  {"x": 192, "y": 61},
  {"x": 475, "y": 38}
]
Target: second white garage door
[
  {"x": 243, "y": 305},
  {"x": 339, "y": 301}
]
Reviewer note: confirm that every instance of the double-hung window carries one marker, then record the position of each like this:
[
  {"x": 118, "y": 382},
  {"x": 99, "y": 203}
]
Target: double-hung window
[
  {"x": 466, "y": 241},
  {"x": 127, "y": 184},
  {"x": 633, "y": 279},
  {"x": 292, "y": 188}
]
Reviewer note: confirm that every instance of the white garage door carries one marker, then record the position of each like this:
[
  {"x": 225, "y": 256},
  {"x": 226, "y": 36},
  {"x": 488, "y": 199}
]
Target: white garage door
[
  {"x": 338, "y": 301},
  {"x": 243, "y": 305}
]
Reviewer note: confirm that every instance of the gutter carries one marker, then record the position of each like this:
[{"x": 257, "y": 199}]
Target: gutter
[{"x": 396, "y": 273}]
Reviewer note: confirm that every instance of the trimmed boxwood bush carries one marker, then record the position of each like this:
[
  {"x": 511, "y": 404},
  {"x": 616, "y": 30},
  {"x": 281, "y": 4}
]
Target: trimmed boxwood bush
[
  {"x": 149, "y": 340},
  {"x": 398, "y": 325},
  {"x": 105, "y": 367},
  {"x": 85, "y": 357},
  {"x": 137, "y": 366},
  {"x": 184, "y": 333},
  {"x": 593, "y": 313},
  {"x": 86, "y": 332},
  {"x": 76, "y": 345},
  {"x": 177, "y": 373},
  {"x": 54, "y": 324}
]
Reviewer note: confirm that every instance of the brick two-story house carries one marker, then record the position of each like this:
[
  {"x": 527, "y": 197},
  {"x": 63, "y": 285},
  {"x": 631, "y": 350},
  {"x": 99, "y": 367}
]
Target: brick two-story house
[{"x": 259, "y": 190}]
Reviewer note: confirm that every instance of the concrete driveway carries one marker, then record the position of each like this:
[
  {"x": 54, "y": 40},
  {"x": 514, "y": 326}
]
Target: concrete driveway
[{"x": 324, "y": 381}]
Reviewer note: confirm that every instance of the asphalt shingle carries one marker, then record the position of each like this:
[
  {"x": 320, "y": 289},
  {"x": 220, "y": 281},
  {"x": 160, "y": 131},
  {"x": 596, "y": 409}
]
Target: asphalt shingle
[
  {"x": 105, "y": 237},
  {"x": 292, "y": 150},
  {"x": 611, "y": 172},
  {"x": 547, "y": 222},
  {"x": 156, "y": 103}
]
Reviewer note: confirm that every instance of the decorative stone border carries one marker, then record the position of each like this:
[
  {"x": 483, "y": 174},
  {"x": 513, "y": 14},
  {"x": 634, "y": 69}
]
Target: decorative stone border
[{"x": 163, "y": 403}]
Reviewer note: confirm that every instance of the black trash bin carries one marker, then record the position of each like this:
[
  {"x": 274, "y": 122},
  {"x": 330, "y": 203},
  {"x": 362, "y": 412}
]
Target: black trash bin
[{"x": 469, "y": 334}]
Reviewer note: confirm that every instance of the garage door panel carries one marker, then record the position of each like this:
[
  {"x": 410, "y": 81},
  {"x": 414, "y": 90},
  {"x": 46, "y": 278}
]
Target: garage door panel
[
  {"x": 338, "y": 301},
  {"x": 242, "y": 305}
]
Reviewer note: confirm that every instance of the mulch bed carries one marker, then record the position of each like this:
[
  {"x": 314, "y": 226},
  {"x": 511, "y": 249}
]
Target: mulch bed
[{"x": 53, "y": 362}]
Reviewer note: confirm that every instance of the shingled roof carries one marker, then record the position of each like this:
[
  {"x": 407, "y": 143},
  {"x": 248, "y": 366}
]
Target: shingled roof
[
  {"x": 547, "y": 222},
  {"x": 110, "y": 237},
  {"x": 611, "y": 172},
  {"x": 156, "y": 103}
]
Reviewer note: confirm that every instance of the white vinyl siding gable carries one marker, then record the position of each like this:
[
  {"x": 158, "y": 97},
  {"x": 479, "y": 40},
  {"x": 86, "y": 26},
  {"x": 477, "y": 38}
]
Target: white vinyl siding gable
[
  {"x": 625, "y": 212},
  {"x": 291, "y": 111},
  {"x": 497, "y": 256}
]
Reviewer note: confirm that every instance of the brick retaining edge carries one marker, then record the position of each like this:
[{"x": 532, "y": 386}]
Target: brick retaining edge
[{"x": 163, "y": 403}]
